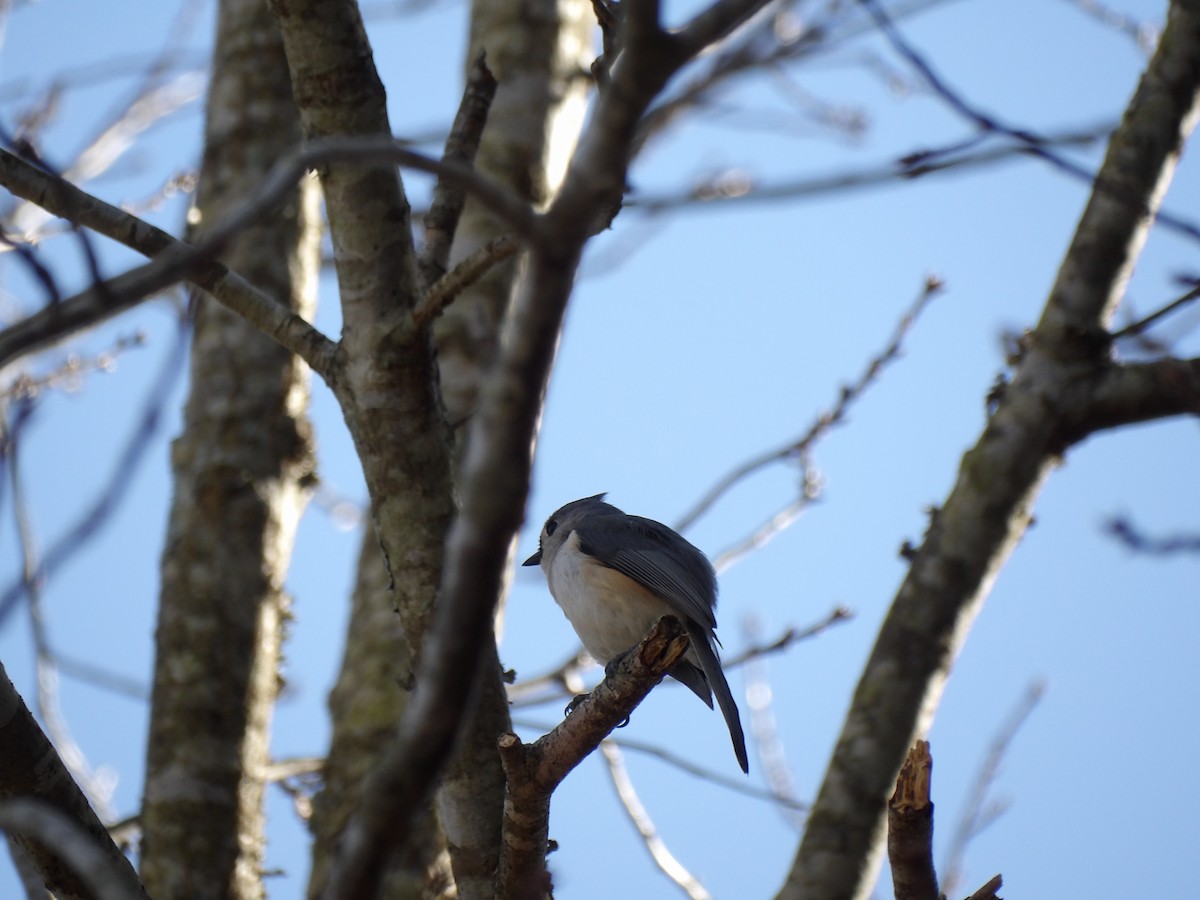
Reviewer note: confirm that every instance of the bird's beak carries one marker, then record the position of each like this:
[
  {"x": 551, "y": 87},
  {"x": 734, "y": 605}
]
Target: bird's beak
[{"x": 534, "y": 560}]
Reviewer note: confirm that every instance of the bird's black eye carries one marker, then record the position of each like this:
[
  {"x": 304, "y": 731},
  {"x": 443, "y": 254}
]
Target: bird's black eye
[{"x": 551, "y": 525}]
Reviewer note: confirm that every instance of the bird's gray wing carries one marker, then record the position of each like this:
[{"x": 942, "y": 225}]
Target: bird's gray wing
[{"x": 657, "y": 558}]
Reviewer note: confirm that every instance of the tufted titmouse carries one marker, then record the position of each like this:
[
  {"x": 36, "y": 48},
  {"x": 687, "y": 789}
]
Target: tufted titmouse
[{"x": 615, "y": 575}]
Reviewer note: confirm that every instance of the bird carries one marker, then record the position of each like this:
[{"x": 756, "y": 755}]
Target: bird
[{"x": 614, "y": 575}]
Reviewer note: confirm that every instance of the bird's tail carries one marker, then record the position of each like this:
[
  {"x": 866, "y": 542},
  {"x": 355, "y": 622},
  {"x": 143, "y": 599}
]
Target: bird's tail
[{"x": 711, "y": 664}]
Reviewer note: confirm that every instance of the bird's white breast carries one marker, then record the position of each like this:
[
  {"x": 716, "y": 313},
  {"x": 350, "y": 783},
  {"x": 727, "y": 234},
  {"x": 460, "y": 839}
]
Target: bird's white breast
[{"x": 609, "y": 611}]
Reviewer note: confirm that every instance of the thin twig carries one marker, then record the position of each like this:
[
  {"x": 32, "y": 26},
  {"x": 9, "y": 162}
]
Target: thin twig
[
  {"x": 563, "y": 678},
  {"x": 1033, "y": 142},
  {"x": 28, "y": 255},
  {"x": 100, "y": 677},
  {"x": 1126, "y": 533},
  {"x": 640, "y": 818},
  {"x": 764, "y": 729},
  {"x": 563, "y": 681},
  {"x": 371, "y": 149},
  {"x": 103, "y": 876},
  {"x": 737, "y": 785},
  {"x": 300, "y": 778},
  {"x": 155, "y": 96},
  {"x": 462, "y": 144},
  {"x": 799, "y": 448},
  {"x": 1144, "y": 35},
  {"x": 67, "y": 375},
  {"x": 46, "y": 664},
  {"x": 132, "y": 455},
  {"x": 764, "y": 45},
  {"x": 1143, "y": 324},
  {"x": 443, "y": 291},
  {"x": 975, "y": 815},
  {"x": 173, "y": 259},
  {"x": 909, "y": 167},
  {"x": 791, "y": 636},
  {"x": 767, "y": 531}
]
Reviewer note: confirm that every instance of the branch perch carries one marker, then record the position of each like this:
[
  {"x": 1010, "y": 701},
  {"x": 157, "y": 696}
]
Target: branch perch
[{"x": 534, "y": 771}]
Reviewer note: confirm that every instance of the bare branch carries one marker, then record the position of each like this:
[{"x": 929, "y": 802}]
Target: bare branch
[
  {"x": 495, "y": 473},
  {"x": 632, "y": 804},
  {"x": 47, "y": 695},
  {"x": 173, "y": 259},
  {"x": 68, "y": 375},
  {"x": 1142, "y": 325},
  {"x": 764, "y": 730},
  {"x": 87, "y": 870},
  {"x": 836, "y": 616},
  {"x": 563, "y": 680},
  {"x": 1119, "y": 189},
  {"x": 534, "y": 771},
  {"x": 802, "y": 446},
  {"x": 769, "y": 42},
  {"x": 1142, "y": 33},
  {"x": 675, "y": 761},
  {"x": 1119, "y": 395},
  {"x": 1129, "y": 535},
  {"x": 715, "y": 22},
  {"x": 441, "y": 221},
  {"x": 551, "y": 685},
  {"x": 75, "y": 538},
  {"x": 988, "y": 891},
  {"x": 774, "y": 526},
  {"x": 392, "y": 406},
  {"x": 964, "y": 548},
  {"x": 154, "y": 99},
  {"x": 910, "y": 828},
  {"x": 31, "y": 768},
  {"x": 735, "y": 187},
  {"x": 973, "y": 819},
  {"x": 443, "y": 291}
]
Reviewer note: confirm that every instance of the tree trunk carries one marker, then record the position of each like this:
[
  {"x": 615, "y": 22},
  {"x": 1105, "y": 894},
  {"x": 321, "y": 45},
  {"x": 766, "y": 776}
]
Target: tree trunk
[
  {"x": 531, "y": 129},
  {"x": 241, "y": 469},
  {"x": 537, "y": 53},
  {"x": 1065, "y": 388},
  {"x": 365, "y": 705}
]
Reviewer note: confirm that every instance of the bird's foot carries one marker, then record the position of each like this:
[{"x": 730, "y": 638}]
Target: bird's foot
[
  {"x": 610, "y": 667},
  {"x": 574, "y": 704},
  {"x": 579, "y": 698}
]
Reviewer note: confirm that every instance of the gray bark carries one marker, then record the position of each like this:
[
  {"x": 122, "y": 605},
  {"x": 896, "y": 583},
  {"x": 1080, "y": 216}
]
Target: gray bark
[
  {"x": 1062, "y": 391},
  {"x": 365, "y": 704},
  {"x": 32, "y": 770},
  {"x": 536, "y": 52},
  {"x": 538, "y": 71},
  {"x": 241, "y": 470}
]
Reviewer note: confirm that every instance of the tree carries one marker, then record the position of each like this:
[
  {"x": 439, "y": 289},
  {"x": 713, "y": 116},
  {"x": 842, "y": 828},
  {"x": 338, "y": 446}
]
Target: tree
[{"x": 1063, "y": 388}]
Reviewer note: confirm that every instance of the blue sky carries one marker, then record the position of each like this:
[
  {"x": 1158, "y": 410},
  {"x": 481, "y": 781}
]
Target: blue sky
[{"x": 695, "y": 341}]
